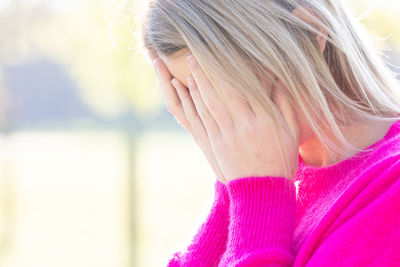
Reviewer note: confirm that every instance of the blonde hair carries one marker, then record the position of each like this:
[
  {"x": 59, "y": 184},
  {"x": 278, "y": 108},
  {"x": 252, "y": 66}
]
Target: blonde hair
[{"x": 239, "y": 41}]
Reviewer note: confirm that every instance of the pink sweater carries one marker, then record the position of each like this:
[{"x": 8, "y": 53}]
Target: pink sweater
[{"x": 345, "y": 214}]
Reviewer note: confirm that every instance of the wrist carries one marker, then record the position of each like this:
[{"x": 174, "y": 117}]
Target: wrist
[{"x": 221, "y": 193}]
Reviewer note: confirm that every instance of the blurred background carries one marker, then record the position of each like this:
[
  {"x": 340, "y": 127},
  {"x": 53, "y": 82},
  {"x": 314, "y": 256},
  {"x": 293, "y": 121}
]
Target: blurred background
[{"x": 93, "y": 170}]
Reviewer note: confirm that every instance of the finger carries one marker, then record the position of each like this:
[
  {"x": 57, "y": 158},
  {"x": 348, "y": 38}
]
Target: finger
[
  {"x": 255, "y": 105},
  {"x": 258, "y": 109},
  {"x": 182, "y": 116},
  {"x": 170, "y": 95},
  {"x": 171, "y": 98},
  {"x": 189, "y": 108},
  {"x": 152, "y": 54},
  {"x": 212, "y": 127},
  {"x": 209, "y": 96},
  {"x": 240, "y": 107},
  {"x": 199, "y": 131}
]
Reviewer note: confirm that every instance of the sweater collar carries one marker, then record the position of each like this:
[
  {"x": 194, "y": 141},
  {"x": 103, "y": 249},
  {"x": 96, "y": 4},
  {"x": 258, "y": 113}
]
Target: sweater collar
[{"x": 308, "y": 173}]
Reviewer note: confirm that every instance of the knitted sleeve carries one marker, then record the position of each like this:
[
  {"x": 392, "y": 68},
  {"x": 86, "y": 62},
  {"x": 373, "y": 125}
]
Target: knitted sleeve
[
  {"x": 365, "y": 230},
  {"x": 209, "y": 242},
  {"x": 262, "y": 221}
]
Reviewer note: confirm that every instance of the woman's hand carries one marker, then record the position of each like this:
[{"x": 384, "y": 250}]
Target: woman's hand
[
  {"x": 180, "y": 104},
  {"x": 245, "y": 148}
]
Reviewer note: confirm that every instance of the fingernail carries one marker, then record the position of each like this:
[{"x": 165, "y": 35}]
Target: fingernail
[
  {"x": 155, "y": 64},
  {"x": 190, "y": 82},
  {"x": 191, "y": 60},
  {"x": 174, "y": 81}
]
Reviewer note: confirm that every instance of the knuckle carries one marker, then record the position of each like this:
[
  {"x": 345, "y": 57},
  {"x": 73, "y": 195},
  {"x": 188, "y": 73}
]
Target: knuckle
[
  {"x": 191, "y": 109},
  {"x": 229, "y": 139},
  {"x": 172, "y": 108},
  {"x": 203, "y": 113},
  {"x": 199, "y": 141},
  {"x": 222, "y": 143},
  {"x": 249, "y": 130},
  {"x": 191, "y": 114},
  {"x": 187, "y": 126},
  {"x": 226, "y": 124},
  {"x": 169, "y": 108},
  {"x": 208, "y": 119}
]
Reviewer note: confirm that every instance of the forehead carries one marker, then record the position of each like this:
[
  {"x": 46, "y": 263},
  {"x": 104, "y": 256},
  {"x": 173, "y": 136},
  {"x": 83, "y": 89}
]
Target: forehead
[{"x": 177, "y": 65}]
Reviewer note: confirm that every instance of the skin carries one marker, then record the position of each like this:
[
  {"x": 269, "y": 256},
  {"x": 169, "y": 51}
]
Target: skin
[{"x": 310, "y": 149}]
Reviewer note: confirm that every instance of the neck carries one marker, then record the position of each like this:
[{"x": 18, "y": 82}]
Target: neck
[{"x": 360, "y": 136}]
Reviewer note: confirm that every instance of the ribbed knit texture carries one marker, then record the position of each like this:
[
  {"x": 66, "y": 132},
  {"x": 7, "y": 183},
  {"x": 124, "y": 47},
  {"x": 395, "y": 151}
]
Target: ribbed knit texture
[{"x": 345, "y": 214}]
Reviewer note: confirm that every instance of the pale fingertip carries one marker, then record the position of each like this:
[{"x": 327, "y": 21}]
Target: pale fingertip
[
  {"x": 191, "y": 61},
  {"x": 190, "y": 81},
  {"x": 174, "y": 82},
  {"x": 155, "y": 65},
  {"x": 188, "y": 57},
  {"x": 155, "y": 61}
]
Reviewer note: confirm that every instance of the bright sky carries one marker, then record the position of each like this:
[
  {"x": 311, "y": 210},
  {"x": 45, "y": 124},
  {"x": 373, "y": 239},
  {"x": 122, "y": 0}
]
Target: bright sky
[
  {"x": 57, "y": 5},
  {"x": 67, "y": 5},
  {"x": 4, "y": 4}
]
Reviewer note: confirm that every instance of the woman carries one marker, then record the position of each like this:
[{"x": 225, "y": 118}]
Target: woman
[{"x": 299, "y": 118}]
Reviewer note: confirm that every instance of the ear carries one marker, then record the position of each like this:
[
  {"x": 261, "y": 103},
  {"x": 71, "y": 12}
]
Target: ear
[{"x": 300, "y": 13}]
